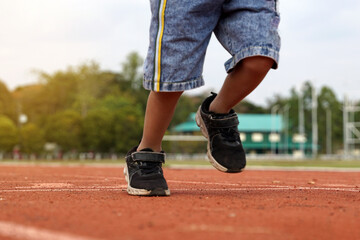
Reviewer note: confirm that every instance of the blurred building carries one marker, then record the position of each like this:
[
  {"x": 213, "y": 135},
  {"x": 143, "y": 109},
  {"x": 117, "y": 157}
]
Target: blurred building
[{"x": 260, "y": 134}]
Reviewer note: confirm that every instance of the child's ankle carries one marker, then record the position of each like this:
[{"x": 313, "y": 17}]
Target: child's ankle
[
  {"x": 217, "y": 108},
  {"x": 154, "y": 148}
]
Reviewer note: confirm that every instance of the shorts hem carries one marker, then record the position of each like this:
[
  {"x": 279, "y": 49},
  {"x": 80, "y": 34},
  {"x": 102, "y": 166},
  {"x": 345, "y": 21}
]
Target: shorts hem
[
  {"x": 175, "y": 86},
  {"x": 251, "y": 52}
]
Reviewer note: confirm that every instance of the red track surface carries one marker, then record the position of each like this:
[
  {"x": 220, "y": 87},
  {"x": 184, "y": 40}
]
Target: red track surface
[{"x": 73, "y": 203}]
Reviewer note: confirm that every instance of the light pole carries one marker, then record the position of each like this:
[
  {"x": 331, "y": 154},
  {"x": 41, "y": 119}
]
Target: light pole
[
  {"x": 274, "y": 109},
  {"x": 286, "y": 113},
  {"x": 21, "y": 121},
  {"x": 326, "y": 105},
  {"x": 328, "y": 132},
  {"x": 345, "y": 126},
  {"x": 301, "y": 121},
  {"x": 314, "y": 122}
]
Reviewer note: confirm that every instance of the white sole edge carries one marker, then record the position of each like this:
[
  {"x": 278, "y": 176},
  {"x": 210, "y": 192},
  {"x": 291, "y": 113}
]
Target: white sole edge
[
  {"x": 139, "y": 192},
  {"x": 201, "y": 124}
]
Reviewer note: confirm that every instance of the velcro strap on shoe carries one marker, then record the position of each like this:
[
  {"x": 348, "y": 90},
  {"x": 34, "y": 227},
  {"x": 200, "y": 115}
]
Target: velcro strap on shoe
[
  {"x": 148, "y": 156},
  {"x": 232, "y": 121}
]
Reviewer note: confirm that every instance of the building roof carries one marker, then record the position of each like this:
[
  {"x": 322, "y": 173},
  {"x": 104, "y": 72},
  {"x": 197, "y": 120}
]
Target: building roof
[{"x": 248, "y": 123}]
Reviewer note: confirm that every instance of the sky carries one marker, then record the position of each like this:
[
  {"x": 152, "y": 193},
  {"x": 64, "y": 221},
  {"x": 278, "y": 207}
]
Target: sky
[{"x": 320, "y": 42}]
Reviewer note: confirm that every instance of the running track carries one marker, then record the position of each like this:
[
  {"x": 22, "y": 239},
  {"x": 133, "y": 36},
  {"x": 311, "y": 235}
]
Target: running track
[{"x": 90, "y": 202}]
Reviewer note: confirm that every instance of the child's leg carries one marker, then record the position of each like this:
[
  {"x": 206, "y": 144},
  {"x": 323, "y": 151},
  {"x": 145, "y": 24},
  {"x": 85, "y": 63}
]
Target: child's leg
[
  {"x": 179, "y": 35},
  {"x": 143, "y": 170},
  {"x": 244, "y": 78},
  {"x": 219, "y": 123},
  {"x": 159, "y": 112}
]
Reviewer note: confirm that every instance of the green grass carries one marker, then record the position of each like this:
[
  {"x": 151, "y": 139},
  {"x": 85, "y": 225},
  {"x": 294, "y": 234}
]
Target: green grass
[
  {"x": 282, "y": 163},
  {"x": 308, "y": 163}
]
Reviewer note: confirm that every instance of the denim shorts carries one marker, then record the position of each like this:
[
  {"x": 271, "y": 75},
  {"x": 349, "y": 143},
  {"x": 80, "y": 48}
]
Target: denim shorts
[{"x": 180, "y": 31}]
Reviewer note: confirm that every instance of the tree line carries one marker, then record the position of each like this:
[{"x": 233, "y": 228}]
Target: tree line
[{"x": 87, "y": 109}]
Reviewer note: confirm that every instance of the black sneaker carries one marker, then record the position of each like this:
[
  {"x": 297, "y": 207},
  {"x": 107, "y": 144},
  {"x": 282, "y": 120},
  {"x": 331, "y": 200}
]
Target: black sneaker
[
  {"x": 224, "y": 149},
  {"x": 144, "y": 174}
]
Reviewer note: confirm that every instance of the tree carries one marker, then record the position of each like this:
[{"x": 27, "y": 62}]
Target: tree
[
  {"x": 75, "y": 88},
  {"x": 32, "y": 101},
  {"x": 7, "y": 103},
  {"x": 327, "y": 100},
  {"x": 128, "y": 123},
  {"x": 63, "y": 128},
  {"x": 184, "y": 107},
  {"x": 131, "y": 79},
  {"x": 248, "y": 107},
  {"x": 114, "y": 124},
  {"x": 98, "y": 131},
  {"x": 32, "y": 139},
  {"x": 90, "y": 86},
  {"x": 132, "y": 70},
  {"x": 8, "y": 134},
  {"x": 59, "y": 91}
]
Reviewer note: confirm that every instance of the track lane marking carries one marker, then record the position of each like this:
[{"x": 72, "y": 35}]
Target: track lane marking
[
  {"x": 70, "y": 187},
  {"x": 248, "y": 188},
  {"x": 17, "y": 231},
  {"x": 269, "y": 189},
  {"x": 205, "y": 183}
]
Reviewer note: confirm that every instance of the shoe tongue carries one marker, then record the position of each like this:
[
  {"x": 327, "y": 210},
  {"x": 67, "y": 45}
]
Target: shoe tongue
[{"x": 146, "y": 150}]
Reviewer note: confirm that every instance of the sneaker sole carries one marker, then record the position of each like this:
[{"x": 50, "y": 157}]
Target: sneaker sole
[
  {"x": 201, "y": 124},
  {"x": 143, "y": 192}
]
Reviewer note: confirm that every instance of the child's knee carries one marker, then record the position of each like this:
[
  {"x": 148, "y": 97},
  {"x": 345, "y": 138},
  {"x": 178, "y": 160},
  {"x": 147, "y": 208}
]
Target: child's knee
[{"x": 257, "y": 64}]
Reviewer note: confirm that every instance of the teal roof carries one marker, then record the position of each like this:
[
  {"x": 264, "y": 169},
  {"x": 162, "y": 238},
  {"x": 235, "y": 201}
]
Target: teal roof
[{"x": 248, "y": 123}]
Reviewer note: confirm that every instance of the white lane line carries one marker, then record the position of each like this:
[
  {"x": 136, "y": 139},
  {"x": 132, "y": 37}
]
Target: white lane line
[
  {"x": 17, "y": 231},
  {"x": 304, "y": 169},
  {"x": 270, "y": 168},
  {"x": 70, "y": 187},
  {"x": 242, "y": 185},
  {"x": 341, "y": 185},
  {"x": 205, "y": 183},
  {"x": 247, "y": 188},
  {"x": 60, "y": 190},
  {"x": 330, "y": 189},
  {"x": 79, "y": 189},
  {"x": 270, "y": 189}
]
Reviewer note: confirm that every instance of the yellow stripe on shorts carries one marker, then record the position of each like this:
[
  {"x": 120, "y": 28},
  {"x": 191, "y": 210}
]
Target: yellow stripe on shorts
[{"x": 157, "y": 74}]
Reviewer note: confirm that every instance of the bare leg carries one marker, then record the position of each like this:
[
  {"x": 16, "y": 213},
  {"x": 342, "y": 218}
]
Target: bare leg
[
  {"x": 159, "y": 112},
  {"x": 245, "y": 77}
]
